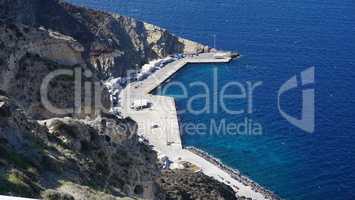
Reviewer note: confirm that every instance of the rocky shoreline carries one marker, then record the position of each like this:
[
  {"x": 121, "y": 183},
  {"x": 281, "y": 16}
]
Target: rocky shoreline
[{"x": 234, "y": 173}]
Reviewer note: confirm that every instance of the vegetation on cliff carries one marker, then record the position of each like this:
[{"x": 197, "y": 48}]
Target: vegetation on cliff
[{"x": 80, "y": 156}]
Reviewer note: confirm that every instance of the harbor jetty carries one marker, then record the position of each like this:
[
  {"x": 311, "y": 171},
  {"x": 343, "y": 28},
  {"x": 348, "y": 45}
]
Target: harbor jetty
[
  {"x": 158, "y": 124},
  {"x": 234, "y": 173}
]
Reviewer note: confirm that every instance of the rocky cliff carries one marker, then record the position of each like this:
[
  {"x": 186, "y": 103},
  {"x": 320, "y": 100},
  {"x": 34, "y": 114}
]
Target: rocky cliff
[
  {"x": 82, "y": 153},
  {"x": 100, "y": 157},
  {"x": 29, "y": 55},
  {"x": 38, "y": 37},
  {"x": 112, "y": 43},
  {"x": 67, "y": 158},
  {"x": 189, "y": 185}
]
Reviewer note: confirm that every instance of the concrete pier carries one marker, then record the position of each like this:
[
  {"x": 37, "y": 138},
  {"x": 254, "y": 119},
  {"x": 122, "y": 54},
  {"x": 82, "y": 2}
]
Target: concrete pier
[
  {"x": 157, "y": 78},
  {"x": 159, "y": 123}
]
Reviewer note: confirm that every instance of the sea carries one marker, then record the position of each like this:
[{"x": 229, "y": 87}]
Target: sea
[{"x": 277, "y": 40}]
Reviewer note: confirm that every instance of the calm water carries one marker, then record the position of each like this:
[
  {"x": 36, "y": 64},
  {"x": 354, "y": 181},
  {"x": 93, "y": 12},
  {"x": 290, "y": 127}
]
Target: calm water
[{"x": 278, "y": 39}]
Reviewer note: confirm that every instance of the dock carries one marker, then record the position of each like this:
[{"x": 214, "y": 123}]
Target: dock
[
  {"x": 160, "y": 126},
  {"x": 157, "y": 78}
]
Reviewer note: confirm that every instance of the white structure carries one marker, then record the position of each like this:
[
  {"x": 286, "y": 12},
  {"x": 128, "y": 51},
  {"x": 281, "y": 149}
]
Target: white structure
[
  {"x": 140, "y": 104},
  {"x": 141, "y": 76},
  {"x": 149, "y": 68},
  {"x": 222, "y": 55}
]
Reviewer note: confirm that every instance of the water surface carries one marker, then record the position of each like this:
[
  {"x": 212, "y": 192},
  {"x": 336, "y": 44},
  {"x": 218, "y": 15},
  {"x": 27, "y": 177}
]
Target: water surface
[{"x": 277, "y": 39}]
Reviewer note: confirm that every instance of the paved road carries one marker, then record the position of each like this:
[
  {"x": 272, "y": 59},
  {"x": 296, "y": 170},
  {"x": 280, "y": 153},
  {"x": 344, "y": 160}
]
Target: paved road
[{"x": 159, "y": 123}]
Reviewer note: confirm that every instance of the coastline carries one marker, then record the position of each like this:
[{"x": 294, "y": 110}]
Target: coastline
[
  {"x": 236, "y": 174},
  {"x": 165, "y": 137}
]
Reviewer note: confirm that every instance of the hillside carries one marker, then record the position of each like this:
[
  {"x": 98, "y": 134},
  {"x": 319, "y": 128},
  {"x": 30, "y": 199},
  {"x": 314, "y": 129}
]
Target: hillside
[
  {"x": 84, "y": 153},
  {"x": 112, "y": 43}
]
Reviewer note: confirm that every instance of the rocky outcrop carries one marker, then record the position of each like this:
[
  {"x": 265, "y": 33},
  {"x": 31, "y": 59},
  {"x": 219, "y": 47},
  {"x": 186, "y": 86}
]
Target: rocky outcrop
[
  {"x": 189, "y": 185},
  {"x": 38, "y": 37},
  {"x": 112, "y": 43},
  {"x": 163, "y": 43},
  {"x": 28, "y": 56},
  {"x": 98, "y": 158},
  {"x": 66, "y": 158}
]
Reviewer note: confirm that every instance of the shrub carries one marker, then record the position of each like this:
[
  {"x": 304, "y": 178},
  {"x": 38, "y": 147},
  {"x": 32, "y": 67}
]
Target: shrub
[
  {"x": 15, "y": 183},
  {"x": 55, "y": 195}
]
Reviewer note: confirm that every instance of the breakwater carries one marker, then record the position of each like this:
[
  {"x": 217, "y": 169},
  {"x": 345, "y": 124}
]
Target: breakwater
[
  {"x": 159, "y": 125},
  {"x": 234, "y": 173}
]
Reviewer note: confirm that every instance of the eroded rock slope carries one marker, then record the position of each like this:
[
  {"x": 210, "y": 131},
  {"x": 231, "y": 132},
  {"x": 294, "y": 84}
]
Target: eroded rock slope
[{"x": 84, "y": 153}]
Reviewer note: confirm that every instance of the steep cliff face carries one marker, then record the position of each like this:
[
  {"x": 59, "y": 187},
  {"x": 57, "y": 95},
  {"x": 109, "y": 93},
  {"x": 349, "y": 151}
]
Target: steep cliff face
[
  {"x": 41, "y": 36},
  {"x": 163, "y": 43},
  {"x": 28, "y": 56},
  {"x": 112, "y": 43}
]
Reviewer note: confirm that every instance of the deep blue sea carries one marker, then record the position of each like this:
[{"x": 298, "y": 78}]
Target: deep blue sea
[{"x": 277, "y": 40}]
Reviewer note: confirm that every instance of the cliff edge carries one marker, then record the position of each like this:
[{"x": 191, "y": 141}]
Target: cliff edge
[
  {"x": 85, "y": 153},
  {"x": 112, "y": 43}
]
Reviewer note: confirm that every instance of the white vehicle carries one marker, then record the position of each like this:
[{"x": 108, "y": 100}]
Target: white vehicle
[{"x": 140, "y": 104}]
